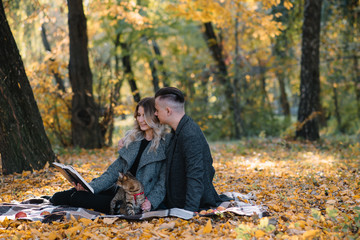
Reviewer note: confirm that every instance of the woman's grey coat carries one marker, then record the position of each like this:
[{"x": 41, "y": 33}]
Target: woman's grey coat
[{"x": 150, "y": 172}]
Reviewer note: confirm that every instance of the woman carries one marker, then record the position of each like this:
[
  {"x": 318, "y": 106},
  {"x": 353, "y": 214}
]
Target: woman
[{"x": 143, "y": 155}]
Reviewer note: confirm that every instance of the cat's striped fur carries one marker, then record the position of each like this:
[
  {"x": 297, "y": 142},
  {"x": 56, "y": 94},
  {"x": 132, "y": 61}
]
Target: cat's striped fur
[{"x": 129, "y": 196}]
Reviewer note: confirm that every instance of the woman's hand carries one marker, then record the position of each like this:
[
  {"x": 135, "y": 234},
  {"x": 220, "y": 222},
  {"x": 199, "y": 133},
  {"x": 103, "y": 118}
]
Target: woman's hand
[
  {"x": 146, "y": 206},
  {"x": 120, "y": 144},
  {"x": 78, "y": 187}
]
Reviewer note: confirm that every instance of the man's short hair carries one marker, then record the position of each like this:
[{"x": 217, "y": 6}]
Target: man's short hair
[{"x": 170, "y": 93}]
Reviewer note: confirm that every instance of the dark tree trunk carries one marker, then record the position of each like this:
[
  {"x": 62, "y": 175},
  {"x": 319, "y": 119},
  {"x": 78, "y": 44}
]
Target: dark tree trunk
[
  {"x": 154, "y": 75},
  {"x": 156, "y": 48},
  {"x": 309, "y": 107},
  {"x": 281, "y": 47},
  {"x": 119, "y": 81},
  {"x": 265, "y": 102},
  {"x": 116, "y": 92},
  {"x": 283, "y": 96},
  {"x": 222, "y": 75},
  {"x": 153, "y": 68},
  {"x": 23, "y": 141},
  {"x": 237, "y": 85},
  {"x": 354, "y": 21},
  {"x": 58, "y": 79},
  {"x": 85, "y": 117},
  {"x": 129, "y": 73},
  {"x": 357, "y": 83},
  {"x": 336, "y": 104},
  {"x": 107, "y": 125}
]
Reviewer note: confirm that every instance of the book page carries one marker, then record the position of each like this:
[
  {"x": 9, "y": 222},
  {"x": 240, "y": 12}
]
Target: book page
[{"x": 73, "y": 176}]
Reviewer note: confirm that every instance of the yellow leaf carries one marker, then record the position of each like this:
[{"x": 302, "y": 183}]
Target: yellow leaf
[
  {"x": 73, "y": 230},
  {"x": 259, "y": 233},
  {"x": 311, "y": 234},
  {"x": 110, "y": 220},
  {"x": 331, "y": 201},
  {"x": 208, "y": 227},
  {"x": 288, "y": 5},
  {"x": 85, "y": 221},
  {"x": 301, "y": 223},
  {"x": 53, "y": 236},
  {"x": 169, "y": 225}
]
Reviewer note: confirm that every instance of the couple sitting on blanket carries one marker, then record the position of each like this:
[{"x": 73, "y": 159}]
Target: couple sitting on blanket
[{"x": 175, "y": 169}]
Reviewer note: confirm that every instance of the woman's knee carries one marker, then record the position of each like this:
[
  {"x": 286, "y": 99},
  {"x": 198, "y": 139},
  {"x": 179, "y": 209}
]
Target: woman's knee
[{"x": 62, "y": 198}]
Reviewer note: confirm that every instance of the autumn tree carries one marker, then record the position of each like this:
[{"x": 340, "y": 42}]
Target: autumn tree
[
  {"x": 222, "y": 73},
  {"x": 85, "y": 118},
  {"x": 308, "y": 127},
  {"x": 23, "y": 141}
]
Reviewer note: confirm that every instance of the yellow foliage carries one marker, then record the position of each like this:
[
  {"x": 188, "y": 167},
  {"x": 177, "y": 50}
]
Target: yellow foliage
[{"x": 128, "y": 11}]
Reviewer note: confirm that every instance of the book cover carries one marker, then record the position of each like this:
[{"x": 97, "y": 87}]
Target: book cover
[{"x": 72, "y": 175}]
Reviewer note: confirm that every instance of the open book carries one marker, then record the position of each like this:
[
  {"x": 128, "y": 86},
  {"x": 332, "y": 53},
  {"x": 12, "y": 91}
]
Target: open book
[
  {"x": 72, "y": 175},
  {"x": 172, "y": 212}
]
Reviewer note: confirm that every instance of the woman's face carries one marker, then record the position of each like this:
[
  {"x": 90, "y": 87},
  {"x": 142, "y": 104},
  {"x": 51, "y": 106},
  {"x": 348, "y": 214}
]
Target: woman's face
[{"x": 140, "y": 118}]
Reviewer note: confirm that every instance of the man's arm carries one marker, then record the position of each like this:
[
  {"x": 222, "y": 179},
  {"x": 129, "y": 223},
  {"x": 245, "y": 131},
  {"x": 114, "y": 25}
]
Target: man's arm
[{"x": 194, "y": 171}]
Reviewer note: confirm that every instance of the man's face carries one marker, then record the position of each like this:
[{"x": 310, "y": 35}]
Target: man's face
[{"x": 161, "y": 112}]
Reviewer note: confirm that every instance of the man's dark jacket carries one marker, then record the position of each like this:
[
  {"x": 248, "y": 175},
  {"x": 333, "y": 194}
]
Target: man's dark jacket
[{"x": 189, "y": 170}]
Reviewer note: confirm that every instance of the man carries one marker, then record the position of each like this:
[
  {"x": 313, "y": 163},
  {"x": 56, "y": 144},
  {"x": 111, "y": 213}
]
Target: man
[{"x": 189, "y": 170}]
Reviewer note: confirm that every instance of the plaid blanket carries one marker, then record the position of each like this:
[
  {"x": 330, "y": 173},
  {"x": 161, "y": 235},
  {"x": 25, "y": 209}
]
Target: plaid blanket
[{"x": 40, "y": 209}]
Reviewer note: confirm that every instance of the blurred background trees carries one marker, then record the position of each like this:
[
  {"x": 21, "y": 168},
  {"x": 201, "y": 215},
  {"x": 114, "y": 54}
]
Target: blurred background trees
[{"x": 237, "y": 61}]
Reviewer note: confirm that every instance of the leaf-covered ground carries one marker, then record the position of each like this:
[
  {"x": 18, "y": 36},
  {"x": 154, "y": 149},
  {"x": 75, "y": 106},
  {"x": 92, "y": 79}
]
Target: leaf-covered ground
[{"x": 311, "y": 190}]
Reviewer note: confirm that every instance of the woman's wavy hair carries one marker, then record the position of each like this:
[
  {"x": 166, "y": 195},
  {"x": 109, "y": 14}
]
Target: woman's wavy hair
[{"x": 136, "y": 134}]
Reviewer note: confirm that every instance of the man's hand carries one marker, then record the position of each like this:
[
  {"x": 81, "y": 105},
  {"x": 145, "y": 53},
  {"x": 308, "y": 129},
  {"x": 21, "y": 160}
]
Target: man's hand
[
  {"x": 78, "y": 187},
  {"x": 146, "y": 206},
  {"x": 120, "y": 144}
]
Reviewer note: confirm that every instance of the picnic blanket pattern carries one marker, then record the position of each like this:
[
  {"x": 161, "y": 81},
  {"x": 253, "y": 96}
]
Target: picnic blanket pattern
[{"x": 40, "y": 209}]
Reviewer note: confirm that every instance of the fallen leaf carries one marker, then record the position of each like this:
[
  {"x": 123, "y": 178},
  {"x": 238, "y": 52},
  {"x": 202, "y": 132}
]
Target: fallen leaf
[
  {"x": 168, "y": 226},
  {"x": 311, "y": 234},
  {"x": 109, "y": 220},
  {"x": 259, "y": 233},
  {"x": 208, "y": 227}
]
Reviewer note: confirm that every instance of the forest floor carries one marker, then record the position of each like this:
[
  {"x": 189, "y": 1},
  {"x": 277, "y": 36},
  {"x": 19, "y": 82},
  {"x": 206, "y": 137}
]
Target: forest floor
[{"x": 311, "y": 191}]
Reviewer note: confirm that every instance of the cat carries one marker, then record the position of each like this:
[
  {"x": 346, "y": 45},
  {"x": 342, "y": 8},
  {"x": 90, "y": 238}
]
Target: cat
[{"x": 129, "y": 196}]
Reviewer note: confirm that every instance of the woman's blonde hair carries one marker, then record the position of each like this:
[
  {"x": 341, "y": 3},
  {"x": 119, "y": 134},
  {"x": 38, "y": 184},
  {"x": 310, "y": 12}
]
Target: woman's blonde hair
[{"x": 136, "y": 134}]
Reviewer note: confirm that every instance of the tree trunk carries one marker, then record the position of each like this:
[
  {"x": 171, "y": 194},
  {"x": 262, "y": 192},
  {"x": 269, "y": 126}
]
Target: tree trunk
[
  {"x": 85, "y": 118},
  {"x": 353, "y": 17},
  {"x": 129, "y": 73},
  {"x": 23, "y": 141},
  {"x": 336, "y": 104},
  {"x": 283, "y": 96},
  {"x": 357, "y": 82},
  {"x": 222, "y": 75},
  {"x": 154, "y": 75},
  {"x": 58, "y": 79},
  {"x": 156, "y": 48},
  {"x": 237, "y": 85},
  {"x": 153, "y": 68},
  {"x": 107, "y": 125},
  {"x": 309, "y": 107},
  {"x": 115, "y": 97},
  {"x": 280, "y": 50}
]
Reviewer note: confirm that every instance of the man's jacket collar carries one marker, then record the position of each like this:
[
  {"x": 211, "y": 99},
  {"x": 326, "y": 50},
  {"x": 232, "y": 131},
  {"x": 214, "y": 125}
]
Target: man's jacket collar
[{"x": 182, "y": 123}]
